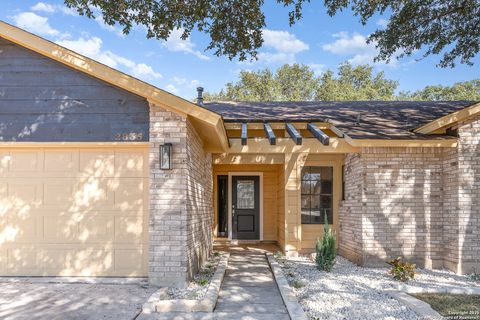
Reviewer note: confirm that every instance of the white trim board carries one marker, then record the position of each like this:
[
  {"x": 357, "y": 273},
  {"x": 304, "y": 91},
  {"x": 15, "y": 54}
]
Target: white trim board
[{"x": 229, "y": 191}]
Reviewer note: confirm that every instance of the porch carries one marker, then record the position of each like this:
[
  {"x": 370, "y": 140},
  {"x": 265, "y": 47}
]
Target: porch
[{"x": 278, "y": 183}]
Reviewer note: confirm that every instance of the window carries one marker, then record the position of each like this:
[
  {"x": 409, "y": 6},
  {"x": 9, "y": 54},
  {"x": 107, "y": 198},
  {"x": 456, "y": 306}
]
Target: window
[
  {"x": 246, "y": 194},
  {"x": 317, "y": 194}
]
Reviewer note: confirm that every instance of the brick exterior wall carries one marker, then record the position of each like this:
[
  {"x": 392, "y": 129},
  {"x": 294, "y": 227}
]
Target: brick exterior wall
[
  {"x": 461, "y": 167},
  {"x": 350, "y": 243},
  {"x": 418, "y": 203},
  {"x": 179, "y": 206},
  {"x": 199, "y": 202}
]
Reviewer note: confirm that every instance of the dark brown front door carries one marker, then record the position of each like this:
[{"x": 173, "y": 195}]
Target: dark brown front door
[{"x": 245, "y": 208}]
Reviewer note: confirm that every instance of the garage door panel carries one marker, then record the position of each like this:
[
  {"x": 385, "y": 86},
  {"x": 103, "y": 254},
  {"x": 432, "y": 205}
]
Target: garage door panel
[
  {"x": 60, "y": 229},
  {"x": 22, "y": 260},
  {"x": 4, "y": 162},
  {"x": 96, "y": 229},
  {"x": 97, "y": 163},
  {"x": 74, "y": 211},
  {"x": 30, "y": 161},
  {"x": 14, "y": 229},
  {"x": 129, "y": 195},
  {"x": 130, "y": 261},
  {"x": 77, "y": 262},
  {"x": 93, "y": 193},
  {"x": 3, "y": 260},
  {"x": 129, "y": 164},
  {"x": 58, "y": 193},
  {"x": 61, "y": 161}
]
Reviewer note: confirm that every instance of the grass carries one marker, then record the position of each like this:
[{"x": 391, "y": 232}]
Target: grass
[{"x": 452, "y": 304}]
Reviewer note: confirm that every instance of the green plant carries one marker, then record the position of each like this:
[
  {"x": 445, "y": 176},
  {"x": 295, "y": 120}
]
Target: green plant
[
  {"x": 279, "y": 255},
  {"x": 475, "y": 277},
  {"x": 202, "y": 282},
  {"x": 326, "y": 248},
  {"x": 402, "y": 270},
  {"x": 298, "y": 284},
  {"x": 216, "y": 254}
]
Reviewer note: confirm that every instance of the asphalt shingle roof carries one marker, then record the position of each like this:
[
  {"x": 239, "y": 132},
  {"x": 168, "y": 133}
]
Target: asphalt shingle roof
[{"x": 378, "y": 119}]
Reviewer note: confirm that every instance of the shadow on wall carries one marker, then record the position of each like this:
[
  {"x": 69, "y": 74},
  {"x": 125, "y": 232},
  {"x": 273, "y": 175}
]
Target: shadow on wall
[
  {"x": 403, "y": 210},
  {"x": 73, "y": 212}
]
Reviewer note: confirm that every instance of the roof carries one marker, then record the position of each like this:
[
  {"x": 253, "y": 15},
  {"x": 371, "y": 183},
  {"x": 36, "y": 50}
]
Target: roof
[
  {"x": 208, "y": 124},
  {"x": 377, "y": 119}
]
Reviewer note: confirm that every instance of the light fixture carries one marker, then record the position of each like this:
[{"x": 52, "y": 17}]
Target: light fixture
[{"x": 166, "y": 156}]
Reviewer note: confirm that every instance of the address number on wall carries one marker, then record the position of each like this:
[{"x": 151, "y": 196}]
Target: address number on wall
[{"x": 128, "y": 136}]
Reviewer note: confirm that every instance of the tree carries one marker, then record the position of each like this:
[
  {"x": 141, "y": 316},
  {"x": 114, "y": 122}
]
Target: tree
[
  {"x": 467, "y": 90},
  {"x": 298, "y": 83},
  {"x": 355, "y": 83},
  {"x": 451, "y": 27}
]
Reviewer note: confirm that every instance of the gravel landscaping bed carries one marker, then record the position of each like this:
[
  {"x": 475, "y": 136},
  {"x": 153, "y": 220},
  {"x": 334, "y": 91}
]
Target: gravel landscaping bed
[
  {"x": 353, "y": 292},
  {"x": 198, "y": 287}
]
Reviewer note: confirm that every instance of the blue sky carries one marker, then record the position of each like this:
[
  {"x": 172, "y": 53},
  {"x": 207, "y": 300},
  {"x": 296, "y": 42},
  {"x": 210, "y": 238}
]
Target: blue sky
[{"x": 180, "y": 66}]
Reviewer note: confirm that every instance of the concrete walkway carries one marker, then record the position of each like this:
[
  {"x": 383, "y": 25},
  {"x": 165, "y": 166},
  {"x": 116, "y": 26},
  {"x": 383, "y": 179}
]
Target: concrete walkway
[{"x": 249, "y": 290}]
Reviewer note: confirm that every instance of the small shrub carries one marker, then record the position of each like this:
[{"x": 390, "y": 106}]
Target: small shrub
[
  {"x": 402, "y": 271},
  {"x": 326, "y": 250},
  {"x": 202, "y": 282},
  {"x": 298, "y": 284},
  {"x": 475, "y": 277},
  {"x": 216, "y": 254},
  {"x": 279, "y": 255}
]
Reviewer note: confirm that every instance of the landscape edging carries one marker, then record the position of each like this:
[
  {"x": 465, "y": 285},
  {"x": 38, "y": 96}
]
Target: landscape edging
[
  {"x": 207, "y": 304},
  {"x": 294, "y": 308}
]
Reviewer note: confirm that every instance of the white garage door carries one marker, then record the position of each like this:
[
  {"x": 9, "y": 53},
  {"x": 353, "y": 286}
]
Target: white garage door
[{"x": 74, "y": 211}]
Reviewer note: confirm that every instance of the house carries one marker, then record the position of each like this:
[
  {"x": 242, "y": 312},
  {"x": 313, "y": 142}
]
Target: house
[{"x": 104, "y": 175}]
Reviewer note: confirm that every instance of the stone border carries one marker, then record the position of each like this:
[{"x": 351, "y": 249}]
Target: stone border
[
  {"x": 207, "y": 304},
  {"x": 421, "y": 308},
  {"x": 77, "y": 280},
  {"x": 295, "y": 310},
  {"x": 404, "y": 295},
  {"x": 451, "y": 290}
]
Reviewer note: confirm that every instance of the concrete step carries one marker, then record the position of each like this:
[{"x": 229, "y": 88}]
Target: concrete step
[{"x": 250, "y": 316}]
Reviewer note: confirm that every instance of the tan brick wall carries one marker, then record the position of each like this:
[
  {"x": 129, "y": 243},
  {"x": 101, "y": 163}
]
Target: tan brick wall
[
  {"x": 180, "y": 201},
  {"x": 402, "y": 205},
  {"x": 422, "y": 204},
  {"x": 351, "y": 209},
  {"x": 199, "y": 202},
  {"x": 461, "y": 168}
]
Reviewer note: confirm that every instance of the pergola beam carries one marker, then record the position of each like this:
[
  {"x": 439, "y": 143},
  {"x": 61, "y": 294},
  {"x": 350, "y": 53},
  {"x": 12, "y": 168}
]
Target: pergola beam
[
  {"x": 270, "y": 134},
  {"x": 319, "y": 134},
  {"x": 244, "y": 134},
  {"x": 294, "y": 134}
]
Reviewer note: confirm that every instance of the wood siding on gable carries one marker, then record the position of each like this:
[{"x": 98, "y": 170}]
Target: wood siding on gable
[{"x": 42, "y": 100}]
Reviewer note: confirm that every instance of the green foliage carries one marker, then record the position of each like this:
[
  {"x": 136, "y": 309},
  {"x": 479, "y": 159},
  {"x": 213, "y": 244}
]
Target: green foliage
[
  {"x": 448, "y": 27},
  {"x": 355, "y": 83},
  {"x": 298, "y": 284},
  {"x": 202, "y": 281},
  {"x": 402, "y": 271},
  {"x": 475, "y": 277},
  {"x": 326, "y": 248},
  {"x": 216, "y": 254},
  {"x": 298, "y": 82},
  {"x": 467, "y": 90}
]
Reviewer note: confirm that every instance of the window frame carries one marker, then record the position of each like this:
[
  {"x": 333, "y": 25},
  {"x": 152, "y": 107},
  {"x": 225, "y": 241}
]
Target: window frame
[{"x": 312, "y": 195}]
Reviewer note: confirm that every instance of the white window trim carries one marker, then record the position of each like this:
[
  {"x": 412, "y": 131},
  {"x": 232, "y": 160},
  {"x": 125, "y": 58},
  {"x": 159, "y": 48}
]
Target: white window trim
[{"x": 229, "y": 191}]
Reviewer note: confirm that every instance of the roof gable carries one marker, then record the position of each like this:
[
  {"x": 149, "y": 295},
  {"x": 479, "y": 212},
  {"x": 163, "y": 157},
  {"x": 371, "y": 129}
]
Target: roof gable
[{"x": 208, "y": 124}]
